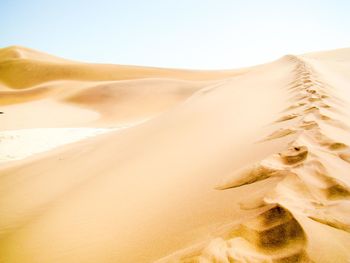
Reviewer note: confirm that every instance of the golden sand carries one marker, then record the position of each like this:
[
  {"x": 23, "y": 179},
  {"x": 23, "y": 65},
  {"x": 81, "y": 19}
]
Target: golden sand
[{"x": 248, "y": 165}]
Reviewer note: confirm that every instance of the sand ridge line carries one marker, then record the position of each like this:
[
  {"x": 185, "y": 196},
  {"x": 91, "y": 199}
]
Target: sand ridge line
[{"x": 276, "y": 235}]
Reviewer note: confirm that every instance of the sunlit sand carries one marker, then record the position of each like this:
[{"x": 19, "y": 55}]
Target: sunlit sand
[
  {"x": 106, "y": 163},
  {"x": 20, "y": 144}
]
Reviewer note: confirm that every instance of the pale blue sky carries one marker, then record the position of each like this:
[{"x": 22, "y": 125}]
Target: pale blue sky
[{"x": 176, "y": 33}]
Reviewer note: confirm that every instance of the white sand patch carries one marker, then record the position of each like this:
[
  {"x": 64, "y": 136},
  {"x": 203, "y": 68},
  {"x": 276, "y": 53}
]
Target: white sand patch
[
  {"x": 20, "y": 144},
  {"x": 46, "y": 112}
]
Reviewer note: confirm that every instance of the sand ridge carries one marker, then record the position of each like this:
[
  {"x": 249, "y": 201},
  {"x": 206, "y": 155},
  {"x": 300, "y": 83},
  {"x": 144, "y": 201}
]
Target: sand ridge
[
  {"x": 308, "y": 187},
  {"x": 36, "y": 68},
  {"x": 249, "y": 167}
]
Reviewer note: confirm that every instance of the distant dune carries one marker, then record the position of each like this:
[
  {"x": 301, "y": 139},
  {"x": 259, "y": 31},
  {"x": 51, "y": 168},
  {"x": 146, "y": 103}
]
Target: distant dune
[
  {"x": 36, "y": 68},
  {"x": 170, "y": 165}
]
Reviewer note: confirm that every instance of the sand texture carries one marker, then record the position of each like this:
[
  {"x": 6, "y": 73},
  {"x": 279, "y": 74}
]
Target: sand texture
[{"x": 111, "y": 163}]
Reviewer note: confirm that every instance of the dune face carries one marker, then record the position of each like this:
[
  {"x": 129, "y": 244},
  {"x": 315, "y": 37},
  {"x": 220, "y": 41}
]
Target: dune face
[
  {"x": 308, "y": 188},
  {"x": 169, "y": 165}
]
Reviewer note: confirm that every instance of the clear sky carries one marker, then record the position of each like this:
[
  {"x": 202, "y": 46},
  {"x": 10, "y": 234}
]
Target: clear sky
[{"x": 176, "y": 33}]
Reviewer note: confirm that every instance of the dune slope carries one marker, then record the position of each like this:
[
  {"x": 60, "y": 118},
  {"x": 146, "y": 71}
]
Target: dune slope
[
  {"x": 36, "y": 68},
  {"x": 119, "y": 94},
  {"x": 247, "y": 167}
]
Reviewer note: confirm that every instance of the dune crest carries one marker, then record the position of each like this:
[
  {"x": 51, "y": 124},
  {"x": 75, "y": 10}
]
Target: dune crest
[
  {"x": 37, "y": 68},
  {"x": 246, "y": 165},
  {"x": 307, "y": 188}
]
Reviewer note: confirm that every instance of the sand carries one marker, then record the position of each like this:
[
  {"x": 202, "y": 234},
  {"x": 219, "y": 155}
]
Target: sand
[{"x": 247, "y": 165}]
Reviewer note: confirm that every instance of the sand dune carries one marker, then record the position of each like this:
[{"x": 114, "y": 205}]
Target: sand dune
[
  {"x": 246, "y": 165},
  {"x": 122, "y": 94},
  {"x": 36, "y": 68}
]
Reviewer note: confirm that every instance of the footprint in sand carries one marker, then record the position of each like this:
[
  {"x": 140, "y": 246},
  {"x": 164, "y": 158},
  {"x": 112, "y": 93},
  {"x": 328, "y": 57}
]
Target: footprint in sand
[
  {"x": 280, "y": 133},
  {"x": 336, "y": 146},
  {"x": 246, "y": 175},
  {"x": 306, "y": 81},
  {"x": 272, "y": 229},
  {"x": 324, "y": 105},
  {"x": 295, "y": 106},
  {"x": 294, "y": 155},
  {"x": 312, "y": 109},
  {"x": 308, "y": 125},
  {"x": 251, "y": 174},
  {"x": 287, "y": 117},
  {"x": 314, "y": 99},
  {"x": 272, "y": 236},
  {"x": 311, "y": 91}
]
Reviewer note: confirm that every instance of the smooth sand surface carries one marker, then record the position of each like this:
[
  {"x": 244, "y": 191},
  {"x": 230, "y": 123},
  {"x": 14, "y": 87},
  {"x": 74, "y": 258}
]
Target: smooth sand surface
[
  {"x": 21, "y": 144},
  {"x": 247, "y": 165}
]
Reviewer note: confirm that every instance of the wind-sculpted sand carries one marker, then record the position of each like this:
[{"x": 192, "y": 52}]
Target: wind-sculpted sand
[
  {"x": 309, "y": 188},
  {"x": 246, "y": 165}
]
